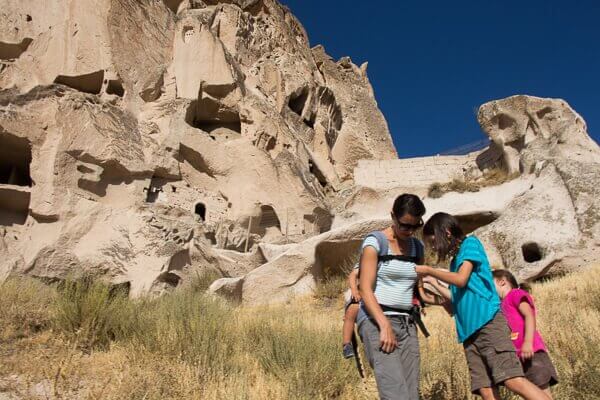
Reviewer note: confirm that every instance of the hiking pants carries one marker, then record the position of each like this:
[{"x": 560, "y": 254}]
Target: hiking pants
[{"x": 396, "y": 373}]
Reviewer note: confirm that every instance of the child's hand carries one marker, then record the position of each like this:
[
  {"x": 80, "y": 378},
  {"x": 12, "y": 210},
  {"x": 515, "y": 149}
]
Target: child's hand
[
  {"x": 422, "y": 270},
  {"x": 430, "y": 280},
  {"x": 527, "y": 351},
  {"x": 355, "y": 295}
]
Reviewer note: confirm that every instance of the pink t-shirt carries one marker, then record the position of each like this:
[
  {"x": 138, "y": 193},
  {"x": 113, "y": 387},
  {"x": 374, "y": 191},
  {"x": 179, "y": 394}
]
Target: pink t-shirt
[{"x": 516, "y": 321}]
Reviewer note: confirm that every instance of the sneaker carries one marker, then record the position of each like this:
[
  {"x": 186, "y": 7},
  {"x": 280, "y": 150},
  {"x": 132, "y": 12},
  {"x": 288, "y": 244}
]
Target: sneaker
[{"x": 348, "y": 351}]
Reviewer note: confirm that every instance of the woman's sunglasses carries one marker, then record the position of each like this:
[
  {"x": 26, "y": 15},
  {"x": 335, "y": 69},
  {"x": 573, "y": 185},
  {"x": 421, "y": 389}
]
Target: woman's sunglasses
[{"x": 408, "y": 227}]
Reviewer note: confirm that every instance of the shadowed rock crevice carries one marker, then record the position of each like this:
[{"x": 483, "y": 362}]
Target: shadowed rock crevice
[
  {"x": 318, "y": 222},
  {"x": 12, "y": 51},
  {"x": 220, "y": 123},
  {"x": 104, "y": 175},
  {"x": 115, "y": 86},
  {"x": 335, "y": 258},
  {"x": 474, "y": 221},
  {"x": 15, "y": 159},
  {"x": 173, "y": 5},
  {"x": 87, "y": 83},
  {"x": 297, "y": 101}
]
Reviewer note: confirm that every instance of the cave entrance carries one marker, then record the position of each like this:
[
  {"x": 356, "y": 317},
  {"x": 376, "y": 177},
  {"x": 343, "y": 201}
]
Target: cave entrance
[
  {"x": 200, "y": 210},
  {"x": 115, "y": 86},
  {"x": 269, "y": 221},
  {"x": 209, "y": 116},
  {"x": 15, "y": 158},
  {"x": 298, "y": 100},
  {"x": 87, "y": 83},
  {"x": 531, "y": 252}
]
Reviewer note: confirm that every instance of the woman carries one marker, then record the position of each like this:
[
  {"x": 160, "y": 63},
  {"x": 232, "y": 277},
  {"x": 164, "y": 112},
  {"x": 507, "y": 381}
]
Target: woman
[{"x": 387, "y": 288}]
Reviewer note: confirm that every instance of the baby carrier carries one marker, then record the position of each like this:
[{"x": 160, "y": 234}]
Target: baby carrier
[{"x": 382, "y": 255}]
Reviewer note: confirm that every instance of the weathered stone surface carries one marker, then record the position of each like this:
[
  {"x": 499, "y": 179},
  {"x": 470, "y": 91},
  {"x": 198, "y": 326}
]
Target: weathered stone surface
[
  {"x": 229, "y": 288},
  {"x": 148, "y": 140}
]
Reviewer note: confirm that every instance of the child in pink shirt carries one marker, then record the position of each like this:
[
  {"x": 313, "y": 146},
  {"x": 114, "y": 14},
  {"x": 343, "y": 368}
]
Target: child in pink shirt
[{"x": 519, "y": 310}]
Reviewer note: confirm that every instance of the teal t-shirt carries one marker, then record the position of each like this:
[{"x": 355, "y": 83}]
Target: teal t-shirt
[{"x": 477, "y": 303}]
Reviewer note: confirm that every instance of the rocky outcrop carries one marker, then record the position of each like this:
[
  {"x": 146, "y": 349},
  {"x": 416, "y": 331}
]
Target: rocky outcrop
[
  {"x": 145, "y": 140},
  {"x": 554, "y": 227},
  {"x": 542, "y": 222}
]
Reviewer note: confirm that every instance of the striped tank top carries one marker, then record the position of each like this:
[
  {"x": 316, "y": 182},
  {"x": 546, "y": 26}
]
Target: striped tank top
[{"x": 395, "y": 281}]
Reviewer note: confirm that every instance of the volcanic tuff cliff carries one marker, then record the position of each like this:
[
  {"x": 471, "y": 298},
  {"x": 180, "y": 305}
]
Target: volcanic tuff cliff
[
  {"x": 149, "y": 141},
  {"x": 145, "y": 139}
]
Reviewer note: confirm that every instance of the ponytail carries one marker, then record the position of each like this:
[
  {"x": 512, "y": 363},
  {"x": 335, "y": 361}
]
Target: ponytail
[{"x": 510, "y": 278}]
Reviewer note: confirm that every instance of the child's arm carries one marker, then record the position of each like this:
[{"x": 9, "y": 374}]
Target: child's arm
[
  {"x": 441, "y": 289},
  {"x": 529, "y": 316},
  {"x": 353, "y": 283},
  {"x": 425, "y": 295},
  {"x": 458, "y": 279}
]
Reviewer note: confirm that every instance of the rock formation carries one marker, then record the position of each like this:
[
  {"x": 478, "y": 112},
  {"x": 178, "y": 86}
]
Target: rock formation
[
  {"x": 143, "y": 140},
  {"x": 148, "y": 141}
]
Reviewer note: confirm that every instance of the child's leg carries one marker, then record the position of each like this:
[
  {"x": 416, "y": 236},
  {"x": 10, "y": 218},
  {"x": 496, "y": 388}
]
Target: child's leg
[
  {"x": 489, "y": 393},
  {"x": 525, "y": 389},
  {"x": 548, "y": 393},
  {"x": 349, "y": 320}
]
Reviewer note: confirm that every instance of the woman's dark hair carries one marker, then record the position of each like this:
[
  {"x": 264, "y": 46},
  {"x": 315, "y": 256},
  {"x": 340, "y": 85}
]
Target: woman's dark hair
[
  {"x": 506, "y": 274},
  {"x": 438, "y": 226},
  {"x": 408, "y": 204}
]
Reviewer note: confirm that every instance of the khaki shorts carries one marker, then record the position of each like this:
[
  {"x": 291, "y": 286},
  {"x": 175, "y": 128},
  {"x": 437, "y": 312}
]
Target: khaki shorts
[
  {"x": 491, "y": 356},
  {"x": 540, "y": 370}
]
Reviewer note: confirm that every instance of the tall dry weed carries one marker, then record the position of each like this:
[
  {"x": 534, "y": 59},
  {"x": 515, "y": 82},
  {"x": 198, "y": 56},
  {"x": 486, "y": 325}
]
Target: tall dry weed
[{"x": 187, "y": 345}]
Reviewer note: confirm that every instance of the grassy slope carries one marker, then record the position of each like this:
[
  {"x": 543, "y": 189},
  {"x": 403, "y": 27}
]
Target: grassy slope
[{"x": 63, "y": 344}]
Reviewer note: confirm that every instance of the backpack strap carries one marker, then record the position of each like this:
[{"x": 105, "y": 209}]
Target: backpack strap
[
  {"x": 419, "y": 249},
  {"x": 382, "y": 241}
]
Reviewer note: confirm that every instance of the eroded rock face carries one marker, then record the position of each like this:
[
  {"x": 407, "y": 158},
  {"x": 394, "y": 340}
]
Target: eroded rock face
[
  {"x": 150, "y": 139},
  {"x": 543, "y": 222},
  {"x": 555, "y": 226}
]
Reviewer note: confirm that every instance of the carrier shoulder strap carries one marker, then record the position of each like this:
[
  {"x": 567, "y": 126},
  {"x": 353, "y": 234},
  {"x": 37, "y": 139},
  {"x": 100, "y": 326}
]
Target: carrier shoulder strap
[{"x": 420, "y": 249}]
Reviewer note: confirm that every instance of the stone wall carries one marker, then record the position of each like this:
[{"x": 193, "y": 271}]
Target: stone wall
[{"x": 420, "y": 171}]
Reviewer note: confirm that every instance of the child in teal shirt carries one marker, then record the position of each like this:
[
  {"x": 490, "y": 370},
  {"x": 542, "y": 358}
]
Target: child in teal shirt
[{"x": 480, "y": 325}]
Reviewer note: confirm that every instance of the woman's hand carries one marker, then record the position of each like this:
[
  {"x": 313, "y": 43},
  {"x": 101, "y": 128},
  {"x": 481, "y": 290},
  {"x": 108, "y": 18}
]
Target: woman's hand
[
  {"x": 355, "y": 295},
  {"x": 527, "y": 350},
  {"x": 387, "y": 338}
]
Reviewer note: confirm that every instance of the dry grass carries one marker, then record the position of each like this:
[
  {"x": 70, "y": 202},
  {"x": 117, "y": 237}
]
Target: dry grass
[
  {"x": 491, "y": 177},
  {"x": 186, "y": 345}
]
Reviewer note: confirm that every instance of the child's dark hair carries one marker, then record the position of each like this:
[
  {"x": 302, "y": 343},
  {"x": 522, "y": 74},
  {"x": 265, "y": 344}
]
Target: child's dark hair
[
  {"x": 438, "y": 226},
  {"x": 510, "y": 278},
  {"x": 408, "y": 204}
]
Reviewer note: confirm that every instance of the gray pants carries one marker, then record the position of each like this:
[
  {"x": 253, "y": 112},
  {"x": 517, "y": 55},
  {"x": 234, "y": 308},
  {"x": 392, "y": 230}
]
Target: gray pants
[{"x": 396, "y": 373}]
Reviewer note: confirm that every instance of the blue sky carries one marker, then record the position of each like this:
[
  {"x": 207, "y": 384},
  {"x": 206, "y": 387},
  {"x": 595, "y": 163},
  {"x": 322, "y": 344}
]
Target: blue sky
[{"x": 433, "y": 63}]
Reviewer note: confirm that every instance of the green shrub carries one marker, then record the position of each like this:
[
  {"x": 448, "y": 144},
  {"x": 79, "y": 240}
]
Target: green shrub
[
  {"x": 202, "y": 281},
  {"x": 491, "y": 177},
  {"x": 91, "y": 313},
  {"x": 306, "y": 361},
  {"x": 192, "y": 327},
  {"x": 24, "y": 307},
  {"x": 331, "y": 288}
]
